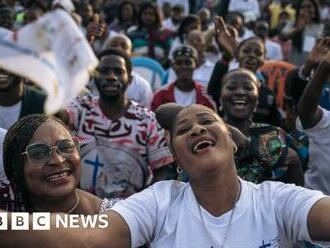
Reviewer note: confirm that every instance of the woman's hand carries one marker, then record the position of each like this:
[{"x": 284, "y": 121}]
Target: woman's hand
[
  {"x": 95, "y": 29},
  {"x": 316, "y": 55},
  {"x": 225, "y": 37}
]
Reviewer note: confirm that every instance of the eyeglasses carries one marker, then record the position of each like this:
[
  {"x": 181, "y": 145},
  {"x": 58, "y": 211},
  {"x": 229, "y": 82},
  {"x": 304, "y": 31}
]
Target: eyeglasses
[{"x": 40, "y": 153}]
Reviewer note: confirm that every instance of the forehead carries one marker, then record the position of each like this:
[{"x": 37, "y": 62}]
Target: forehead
[
  {"x": 49, "y": 131},
  {"x": 253, "y": 43},
  {"x": 112, "y": 61},
  {"x": 119, "y": 39},
  {"x": 182, "y": 57},
  {"x": 195, "y": 111},
  {"x": 240, "y": 76}
]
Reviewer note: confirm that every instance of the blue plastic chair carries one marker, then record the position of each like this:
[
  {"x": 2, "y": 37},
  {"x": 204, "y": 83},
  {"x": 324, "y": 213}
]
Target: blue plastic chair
[{"x": 151, "y": 70}]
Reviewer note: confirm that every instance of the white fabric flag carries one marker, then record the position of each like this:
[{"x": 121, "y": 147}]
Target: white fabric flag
[{"x": 53, "y": 53}]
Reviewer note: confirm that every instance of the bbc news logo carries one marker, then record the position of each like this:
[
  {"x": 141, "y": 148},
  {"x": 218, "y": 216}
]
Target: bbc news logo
[{"x": 41, "y": 221}]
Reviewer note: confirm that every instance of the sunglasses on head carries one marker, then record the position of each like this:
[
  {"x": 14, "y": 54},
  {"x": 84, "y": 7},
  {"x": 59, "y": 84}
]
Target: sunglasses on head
[
  {"x": 40, "y": 153},
  {"x": 183, "y": 61}
]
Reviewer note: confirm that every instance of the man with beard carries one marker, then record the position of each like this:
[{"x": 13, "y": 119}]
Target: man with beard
[
  {"x": 122, "y": 144},
  {"x": 17, "y": 99}
]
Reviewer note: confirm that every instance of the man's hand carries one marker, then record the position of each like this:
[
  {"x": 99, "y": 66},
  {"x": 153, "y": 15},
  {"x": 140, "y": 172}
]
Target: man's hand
[{"x": 225, "y": 37}]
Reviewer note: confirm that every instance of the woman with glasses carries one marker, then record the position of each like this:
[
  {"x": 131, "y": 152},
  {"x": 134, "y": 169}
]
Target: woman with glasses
[
  {"x": 42, "y": 163},
  {"x": 215, "y": 209},
  {"x": 184, "y": 90}
]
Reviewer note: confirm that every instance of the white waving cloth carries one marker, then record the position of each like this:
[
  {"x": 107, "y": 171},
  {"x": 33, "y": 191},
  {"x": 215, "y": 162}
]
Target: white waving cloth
[{"x": 53, "y": 53}]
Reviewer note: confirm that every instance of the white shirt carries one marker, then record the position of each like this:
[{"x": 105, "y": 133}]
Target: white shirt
[
  {"x": 3, "y": 177},
  {"x": 9, "y": 115},
  {"x": 184, "y": 98},
  {"x": 140, "y": 90},
  {"x": 274, "y": 50},
  {"x": 202, "y": 74},
  {"x": 318, "y": 172},
  {"x": 168, "y": 24},
  {"x": 244, "y": 6},
  {"x": 271, "y": 214}
]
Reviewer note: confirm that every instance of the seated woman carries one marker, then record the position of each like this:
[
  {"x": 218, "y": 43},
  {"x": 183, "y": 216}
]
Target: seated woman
[
  {"x": 250, "y": 54},
  {"x": 209, "y": 211},
  {"x": 42, "y": 163},
  {"x": 184, "y": 90},
  {"x": 149, "y": 38},
  {"x": 271, "y": 159}
]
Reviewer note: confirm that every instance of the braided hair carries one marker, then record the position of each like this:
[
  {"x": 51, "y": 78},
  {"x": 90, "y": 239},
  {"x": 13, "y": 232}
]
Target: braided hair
[{"x": 16, "y": 140}]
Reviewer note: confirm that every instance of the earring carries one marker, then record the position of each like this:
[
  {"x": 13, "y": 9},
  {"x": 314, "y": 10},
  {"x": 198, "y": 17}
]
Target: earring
[
  {"x": 178, "y": 170},
  {"x": 220, "y": 108},
  {"x": 235, "y": 148}
]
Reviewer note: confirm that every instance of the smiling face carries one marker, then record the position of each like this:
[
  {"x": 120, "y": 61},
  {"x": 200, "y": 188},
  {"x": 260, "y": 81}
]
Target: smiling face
[
  {"x": 184, "y": 67},
  {"x": 59, "y": 176},
  {"x": 251, "y": 54},
  {"x": 113, "y": 78},
  {"x": 127, "y": 12},
  {"x": 307, "y": 10},
  {"x": 148, "y": 17},
  {"x": 239, "y": 95},
  {"x": 7, "y": 81},
  {"x": 202, "y": 140}
]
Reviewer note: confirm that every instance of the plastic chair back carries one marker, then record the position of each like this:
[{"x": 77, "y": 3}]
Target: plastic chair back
[
  {"x": 151, "y": 70},
  {"x": 277, "y": 72}
]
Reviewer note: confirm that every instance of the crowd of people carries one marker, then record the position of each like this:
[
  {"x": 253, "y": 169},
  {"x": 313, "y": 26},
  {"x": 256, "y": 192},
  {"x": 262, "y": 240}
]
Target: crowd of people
[{"x": 224, "y": 147}]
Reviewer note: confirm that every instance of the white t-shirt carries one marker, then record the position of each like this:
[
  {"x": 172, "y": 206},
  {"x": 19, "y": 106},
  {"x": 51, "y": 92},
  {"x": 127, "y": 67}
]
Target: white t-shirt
[
  {"x": 3, "y": 177},
  {"x": 202, "y": 74},
  {"x": 271, "y": 214},
  {"x": 318, "y": 172},
  {"x": 274, "y": 50},
  {"x": 140, "y": 90},
  {"x": 245, "y": 6},
  {"x": 185, "y": 98},
  {"x": 9, "y": 115}
]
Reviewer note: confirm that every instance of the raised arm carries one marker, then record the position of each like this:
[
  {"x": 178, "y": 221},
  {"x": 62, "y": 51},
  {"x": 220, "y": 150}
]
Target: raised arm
[
  {"x": 117, "y": 235},
  {"x": 309, "y": 112},
  {"x": 225, "y": 37},
  {"x": 318, "y": 221}
]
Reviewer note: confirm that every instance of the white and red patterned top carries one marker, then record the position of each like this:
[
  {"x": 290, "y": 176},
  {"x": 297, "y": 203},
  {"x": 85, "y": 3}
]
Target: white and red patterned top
[{"x": 117, "y": 156}]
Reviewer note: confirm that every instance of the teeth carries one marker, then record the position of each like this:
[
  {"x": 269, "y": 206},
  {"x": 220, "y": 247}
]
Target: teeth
[
  {"x": 55, "y": 176},
  {"x": 202, "y": 144},
  {"x": 3, "y": 77},
  {"x": 239, "y": 102}
]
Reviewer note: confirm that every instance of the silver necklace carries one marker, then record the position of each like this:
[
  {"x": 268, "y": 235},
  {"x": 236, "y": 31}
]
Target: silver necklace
[
  {"x": 75, "y": 205},
  {"x": 229, "y": 224}
]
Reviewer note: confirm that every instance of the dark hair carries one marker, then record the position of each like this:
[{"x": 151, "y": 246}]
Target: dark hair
[
  {"x": 241, "y": 44},
  {"x": 121, "y": 6},
  {"x": 184, "y": 23},
  {"x": 317, "y": 16},
  {"x": 120, "y": 53},
  {"x": 154, "y": 7},
  {"x": 232, "y": 14},
  {"x": 43, "y": 5},
  {"x": 16, "y": 140}
]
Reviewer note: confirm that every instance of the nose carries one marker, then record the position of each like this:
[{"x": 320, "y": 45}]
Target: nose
[
  {"x": 198, "y": 130},
  {"x": 55, "y": 157},
  {"x": 239, "y": 91}
]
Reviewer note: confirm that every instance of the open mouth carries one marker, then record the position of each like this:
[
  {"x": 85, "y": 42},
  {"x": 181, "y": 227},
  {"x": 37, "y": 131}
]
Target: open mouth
[
  {"x": 58, "y": 176},
  {"x": 3, "y": 78},
  {"x": 240, "y": 104},
  {"x": 202, "y": 146}
]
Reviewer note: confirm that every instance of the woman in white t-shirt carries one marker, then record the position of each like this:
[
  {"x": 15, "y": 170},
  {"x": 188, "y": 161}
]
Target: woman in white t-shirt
[{"x": 216, "y": 209}]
